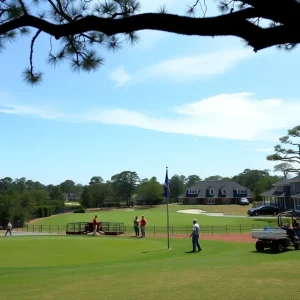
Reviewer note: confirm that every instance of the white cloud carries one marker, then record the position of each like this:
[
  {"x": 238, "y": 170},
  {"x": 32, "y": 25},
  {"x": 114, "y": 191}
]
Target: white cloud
[
  {"x": 230, "y": 116},
  {"x": 120, "y": 76},
  {"x": 189, "y": 68},
  {"x": 198, "y": 66}
]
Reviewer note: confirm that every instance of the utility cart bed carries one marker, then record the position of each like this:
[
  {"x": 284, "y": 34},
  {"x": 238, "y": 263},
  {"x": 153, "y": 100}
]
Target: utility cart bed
[{"x": 269, "y": 234}]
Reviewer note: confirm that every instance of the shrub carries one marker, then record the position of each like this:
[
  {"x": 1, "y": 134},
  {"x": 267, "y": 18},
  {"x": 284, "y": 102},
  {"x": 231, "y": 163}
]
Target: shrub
[{"x": 79, "y": 211}]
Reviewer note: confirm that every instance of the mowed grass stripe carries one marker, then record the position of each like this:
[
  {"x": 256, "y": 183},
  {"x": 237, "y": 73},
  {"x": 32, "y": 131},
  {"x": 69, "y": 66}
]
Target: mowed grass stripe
[{"x": 116, "y": 268}]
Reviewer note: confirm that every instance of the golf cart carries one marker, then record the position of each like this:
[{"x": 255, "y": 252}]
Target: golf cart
[{"x": 284, "y": 236}]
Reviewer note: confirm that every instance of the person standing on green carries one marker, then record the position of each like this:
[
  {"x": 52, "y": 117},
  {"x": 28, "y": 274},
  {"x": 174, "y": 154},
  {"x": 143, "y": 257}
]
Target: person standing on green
[{"x": 136, "y": 223}]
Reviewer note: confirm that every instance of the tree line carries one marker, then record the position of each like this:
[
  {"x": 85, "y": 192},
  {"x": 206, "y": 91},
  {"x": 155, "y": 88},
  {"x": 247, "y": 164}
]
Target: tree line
[{"x": 20, "y": 199}]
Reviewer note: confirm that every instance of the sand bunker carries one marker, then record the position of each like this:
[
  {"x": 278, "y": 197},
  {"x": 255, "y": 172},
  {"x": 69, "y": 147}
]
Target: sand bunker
[
  {"x": 200, "y": 212},
  {"x": 192, "y": 211}
]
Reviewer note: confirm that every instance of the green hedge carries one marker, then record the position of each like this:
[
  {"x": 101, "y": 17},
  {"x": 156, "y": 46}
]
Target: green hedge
[
  {"x": 45, "y": 211},
  {"x": 79, "y": 211}
]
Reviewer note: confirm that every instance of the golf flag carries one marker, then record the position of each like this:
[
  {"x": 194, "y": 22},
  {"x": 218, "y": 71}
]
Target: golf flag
[{"x": 166, "y": 186}]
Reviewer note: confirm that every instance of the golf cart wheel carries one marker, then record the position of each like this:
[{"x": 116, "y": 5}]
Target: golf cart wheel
[
  {"x": 256, "y": 213},
  {"x": 259, "y": 246},
  {"x": 279, "y": 247},
  {"x": 296, "y": 245}
]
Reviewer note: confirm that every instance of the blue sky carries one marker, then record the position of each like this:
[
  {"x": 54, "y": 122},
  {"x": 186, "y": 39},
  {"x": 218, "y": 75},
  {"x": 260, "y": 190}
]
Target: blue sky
[{"x": 197, "y": 105}]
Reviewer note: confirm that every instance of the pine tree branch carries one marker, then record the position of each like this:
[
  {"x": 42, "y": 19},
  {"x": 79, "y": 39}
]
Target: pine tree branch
[{"x": 234, "y": 24}]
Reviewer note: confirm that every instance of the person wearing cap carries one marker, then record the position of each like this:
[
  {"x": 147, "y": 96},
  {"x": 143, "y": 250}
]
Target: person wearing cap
[
  {"x": 195, "y": 236},
  {"x": 295, "y": 223},
  {"x": 143, "y": 225}
]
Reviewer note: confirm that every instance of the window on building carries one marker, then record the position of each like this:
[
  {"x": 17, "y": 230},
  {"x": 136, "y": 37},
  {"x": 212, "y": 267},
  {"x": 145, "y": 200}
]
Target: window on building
[
  {"x": 210, "y": 201},
  {"x": 226, "y": 201},
  {"x": 224, "y": 191},
  {"x": 241, "y": 191},
  {"x": 211, "y": 191},
  {"x": 193, "y": 201}
]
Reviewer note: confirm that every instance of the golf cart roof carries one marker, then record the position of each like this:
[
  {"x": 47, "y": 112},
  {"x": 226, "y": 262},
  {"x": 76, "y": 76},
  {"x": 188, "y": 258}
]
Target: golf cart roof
[{"x": 290, "y": 213}]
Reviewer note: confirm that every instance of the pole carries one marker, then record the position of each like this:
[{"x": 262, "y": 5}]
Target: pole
[
  {"x": 168, "y": 227},
  {"x": 167, "y": 199}
]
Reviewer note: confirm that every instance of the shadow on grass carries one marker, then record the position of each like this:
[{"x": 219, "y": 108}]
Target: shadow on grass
[
  {"x": 154, "y": 250},
  {"x": 190, "y": 252},
  {"x": 270, "y": 251}
]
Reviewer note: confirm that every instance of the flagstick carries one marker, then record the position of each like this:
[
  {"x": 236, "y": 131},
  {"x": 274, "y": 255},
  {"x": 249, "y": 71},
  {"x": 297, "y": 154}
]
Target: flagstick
[{"x": 168, "y": 227}]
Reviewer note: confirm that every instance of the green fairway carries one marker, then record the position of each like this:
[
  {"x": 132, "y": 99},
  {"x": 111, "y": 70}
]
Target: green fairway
[
  {"x": 38, "y": 268},
  {"x": 157, "y": 217}
]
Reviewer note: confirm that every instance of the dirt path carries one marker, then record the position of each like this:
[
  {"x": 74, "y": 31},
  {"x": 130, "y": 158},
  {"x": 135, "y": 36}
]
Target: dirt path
[{"x": 230, "y": 237}]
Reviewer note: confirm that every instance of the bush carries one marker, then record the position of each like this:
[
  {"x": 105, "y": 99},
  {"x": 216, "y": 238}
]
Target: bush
[
  {"x": 45, "y": 211},
  {"x": 79, "y": 211},
  {"x": 71, "y": 207}
]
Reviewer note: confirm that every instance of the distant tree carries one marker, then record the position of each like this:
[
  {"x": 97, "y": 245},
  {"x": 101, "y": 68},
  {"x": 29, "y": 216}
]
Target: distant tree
[
  {"x": 6, "y": 184},
  {"x": 96, "y": 179},
  {"x": 100, "y": 192},
  {"x": 57, "y": 194},
  {"x": 289, "y": 155},
  {"x": 67, "y": 186},
  {"x": 29, "y": 184},
  {"x": 124, "y": 184},
  {"x": 20, "y": 184},
  {"x": 143, "y": 180},
  {"x": 226, "y": 178},
  {"x": 7, "y": 205},
  {"x": 41, "y": 197},
  {"x": 284, "y": 168},
  {"x": 28, "y": 204},
  {"x": 249, "y": 178},
  {"x": 150, "y": 190},
  {"x": 38, "y": 186},
  {"x": 177, "y": 186},
  {"x": 86, "y": 198},
  {"x": 214, "y": 178},
  {"x": 263, "y": 184},
  {"x": 192, "y": 180}
]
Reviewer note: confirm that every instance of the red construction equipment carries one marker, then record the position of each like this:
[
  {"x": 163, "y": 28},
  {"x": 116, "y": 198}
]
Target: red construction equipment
[{"x": 107, "y": 228}]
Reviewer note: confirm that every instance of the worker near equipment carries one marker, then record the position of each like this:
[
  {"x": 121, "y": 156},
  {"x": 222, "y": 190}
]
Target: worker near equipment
[
  {"x": 195, "y": 236},
  {"x": 143, "y": 225},
  {"x": 136, "y": 223},
  {"x": 295, "y": 223},
  {"x": 95, "y": 225}
]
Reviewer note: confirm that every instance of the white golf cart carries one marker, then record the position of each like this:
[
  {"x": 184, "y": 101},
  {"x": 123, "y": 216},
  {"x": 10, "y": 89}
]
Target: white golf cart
[{"x": 284, "y": 236}]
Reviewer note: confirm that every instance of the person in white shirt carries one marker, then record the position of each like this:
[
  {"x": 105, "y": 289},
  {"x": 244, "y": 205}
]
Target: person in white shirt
[
  {"x": 9, "y": 228},
  {"x": 195, "y": 236}
]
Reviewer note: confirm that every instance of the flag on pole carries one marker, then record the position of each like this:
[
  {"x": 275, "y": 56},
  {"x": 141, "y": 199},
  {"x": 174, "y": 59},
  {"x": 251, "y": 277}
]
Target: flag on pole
[{"x": 166, "y": 186}]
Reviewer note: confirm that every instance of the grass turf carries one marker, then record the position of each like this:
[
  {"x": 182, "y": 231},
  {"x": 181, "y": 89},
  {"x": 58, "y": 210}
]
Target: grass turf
[
  {"x": 157, "y": 216},
  {"x": 121, "y": 268}
]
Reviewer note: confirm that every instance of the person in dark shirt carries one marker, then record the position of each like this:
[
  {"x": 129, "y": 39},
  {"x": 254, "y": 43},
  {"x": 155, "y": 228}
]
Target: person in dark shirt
[
  {"x": 295, "y": 223},
  {"x": 136, "y": 223}
]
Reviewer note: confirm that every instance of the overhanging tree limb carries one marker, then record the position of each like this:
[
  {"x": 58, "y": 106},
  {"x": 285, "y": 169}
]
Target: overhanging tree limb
[
  {"x": 92, "y": 24},
  {"x": 235, "y": 24}
]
